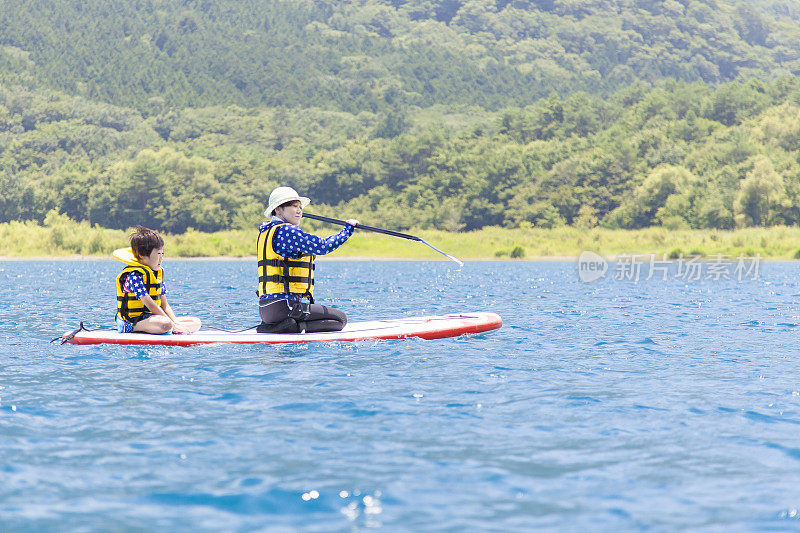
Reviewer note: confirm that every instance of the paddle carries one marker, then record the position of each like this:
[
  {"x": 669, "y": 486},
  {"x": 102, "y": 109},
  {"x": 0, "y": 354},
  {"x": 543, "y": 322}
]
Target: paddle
[{"x": 384, "y": 231}]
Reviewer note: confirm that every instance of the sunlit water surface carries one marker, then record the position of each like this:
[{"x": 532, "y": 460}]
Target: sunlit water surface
[{"x": 657, "y": 405}]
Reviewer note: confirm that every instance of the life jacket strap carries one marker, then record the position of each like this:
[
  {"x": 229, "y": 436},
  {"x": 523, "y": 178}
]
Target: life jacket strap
[
  {"x": 291, "y": 262},
  {"x": 280, "y": 278}
]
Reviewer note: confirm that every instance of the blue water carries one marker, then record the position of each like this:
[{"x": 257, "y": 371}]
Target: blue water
[{"x": 614, "y": 405}]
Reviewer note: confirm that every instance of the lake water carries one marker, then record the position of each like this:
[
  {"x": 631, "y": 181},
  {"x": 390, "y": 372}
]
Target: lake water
[{"x": 657, "y": 404}]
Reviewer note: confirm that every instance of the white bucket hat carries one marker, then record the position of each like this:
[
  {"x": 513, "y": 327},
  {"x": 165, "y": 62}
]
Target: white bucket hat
[{"x": 281, "y": 195}]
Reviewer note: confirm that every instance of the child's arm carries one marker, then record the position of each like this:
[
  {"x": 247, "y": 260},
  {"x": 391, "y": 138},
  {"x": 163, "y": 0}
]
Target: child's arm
[
  {"x": 154, "y": 308},
  {"x": 178, "y": 326},
  {"x": 135, "y": 285},
  {"x": 167, "y": 309}
]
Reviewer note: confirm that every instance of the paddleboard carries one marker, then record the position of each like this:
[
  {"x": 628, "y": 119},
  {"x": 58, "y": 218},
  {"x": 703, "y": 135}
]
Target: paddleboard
[{"x": 424, "y": 327}]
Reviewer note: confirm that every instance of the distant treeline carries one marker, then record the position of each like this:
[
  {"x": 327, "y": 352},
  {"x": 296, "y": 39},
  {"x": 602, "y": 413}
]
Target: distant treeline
[
  {"x": 677, "y": 155},
  {"x": 375, "y": 55}
]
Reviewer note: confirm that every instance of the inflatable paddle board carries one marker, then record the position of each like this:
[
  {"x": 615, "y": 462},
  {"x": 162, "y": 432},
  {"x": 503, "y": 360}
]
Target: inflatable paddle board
[{"x": 424, "y": 327}]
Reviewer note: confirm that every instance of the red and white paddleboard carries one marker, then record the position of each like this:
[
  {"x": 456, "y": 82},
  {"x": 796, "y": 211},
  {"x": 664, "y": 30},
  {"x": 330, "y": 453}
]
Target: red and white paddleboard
[{"x": 424, "y": 327}]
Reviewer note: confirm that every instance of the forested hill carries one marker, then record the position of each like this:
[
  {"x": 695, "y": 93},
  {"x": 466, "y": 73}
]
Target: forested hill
[
  {"x": 374, "y": 55},
  {"x": 449, "y": 114}
]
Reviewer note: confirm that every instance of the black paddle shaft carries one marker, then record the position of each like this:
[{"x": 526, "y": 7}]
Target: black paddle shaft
[
  {"x": 365, "y": 228},
  {"x": 385, "y": 232}
]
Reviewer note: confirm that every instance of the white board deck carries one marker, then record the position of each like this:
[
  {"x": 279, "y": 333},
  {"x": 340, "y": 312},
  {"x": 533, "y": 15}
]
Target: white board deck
[{"x": 425, "y": 327}]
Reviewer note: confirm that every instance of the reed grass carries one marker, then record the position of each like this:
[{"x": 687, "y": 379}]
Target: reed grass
[{"x": 60, "y": 237}]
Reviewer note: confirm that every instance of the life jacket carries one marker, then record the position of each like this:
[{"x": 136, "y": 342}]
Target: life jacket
[
  {"x": 278, "y": 274},
  {"x": 129, "y": 306}
]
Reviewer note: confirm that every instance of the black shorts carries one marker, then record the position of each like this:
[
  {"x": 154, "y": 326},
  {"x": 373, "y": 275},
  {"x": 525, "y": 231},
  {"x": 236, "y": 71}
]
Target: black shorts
[{"x": 285, "y": 316}]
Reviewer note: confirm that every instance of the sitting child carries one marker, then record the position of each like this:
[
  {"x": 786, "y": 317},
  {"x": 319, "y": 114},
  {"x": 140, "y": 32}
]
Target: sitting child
[{"x": 141, "y": 295}]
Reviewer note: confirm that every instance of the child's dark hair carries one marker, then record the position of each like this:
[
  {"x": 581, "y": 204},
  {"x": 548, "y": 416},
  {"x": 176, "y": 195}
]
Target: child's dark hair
[{"x": 144, "y": 241}]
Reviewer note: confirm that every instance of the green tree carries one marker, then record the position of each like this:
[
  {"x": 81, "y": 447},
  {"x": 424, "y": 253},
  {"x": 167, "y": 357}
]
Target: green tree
[{"x": 761, "y": 195}]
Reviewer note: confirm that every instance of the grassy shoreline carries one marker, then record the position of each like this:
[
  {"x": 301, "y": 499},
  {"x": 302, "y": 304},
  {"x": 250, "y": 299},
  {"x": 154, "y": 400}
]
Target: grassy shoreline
[{"x": 65, "y": 238}]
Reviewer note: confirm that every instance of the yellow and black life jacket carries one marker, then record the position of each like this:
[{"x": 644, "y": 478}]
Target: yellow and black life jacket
[
  {"x": 280, "y": 274},
  {"x": 129, "y": 306}
]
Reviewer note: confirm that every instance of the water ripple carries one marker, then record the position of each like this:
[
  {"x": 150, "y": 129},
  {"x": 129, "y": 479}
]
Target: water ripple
[{"x": 609, "y": 406}]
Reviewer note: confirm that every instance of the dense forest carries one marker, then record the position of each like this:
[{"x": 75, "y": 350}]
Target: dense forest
[
  {"x": 433, "y": 114},
  {"x": 374, "y": 55}
]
